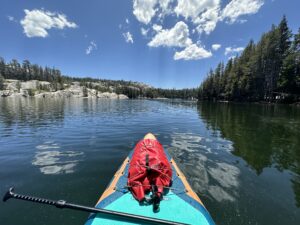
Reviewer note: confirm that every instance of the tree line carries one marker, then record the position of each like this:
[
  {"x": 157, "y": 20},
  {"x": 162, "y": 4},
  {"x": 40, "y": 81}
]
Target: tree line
[
  {"x": 268, "y": 70},
  {"x": 27, "y": 71}
]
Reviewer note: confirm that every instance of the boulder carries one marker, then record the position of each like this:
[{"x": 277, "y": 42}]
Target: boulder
[
  {"x": 6, "y": 93},
  {"x": 107, "y": 95},
  {"x": 121, "y": 96}
]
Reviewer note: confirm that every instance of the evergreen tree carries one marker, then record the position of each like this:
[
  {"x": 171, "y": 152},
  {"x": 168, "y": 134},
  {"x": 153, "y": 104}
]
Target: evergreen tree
[
  {"x": 262, "y": 69},
  {"x": 290, "y": 71},
  {"x": 1, "y": 82},
  {"x": 2, "y": 66}
]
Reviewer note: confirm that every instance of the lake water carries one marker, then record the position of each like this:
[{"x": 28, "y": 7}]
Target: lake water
[{"x": 243, "y": 160}]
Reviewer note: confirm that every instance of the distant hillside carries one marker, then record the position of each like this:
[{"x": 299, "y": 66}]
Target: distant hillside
[
  {"x": 265, "y": 71},
  {"x": 28, "y": 72}
]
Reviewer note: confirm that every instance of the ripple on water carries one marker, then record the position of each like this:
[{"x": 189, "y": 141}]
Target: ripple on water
[{"x": 50, "y": 160}]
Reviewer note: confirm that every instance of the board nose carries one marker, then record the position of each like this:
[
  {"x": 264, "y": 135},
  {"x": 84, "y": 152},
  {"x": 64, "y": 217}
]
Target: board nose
[{"x": 150, "y": 136}]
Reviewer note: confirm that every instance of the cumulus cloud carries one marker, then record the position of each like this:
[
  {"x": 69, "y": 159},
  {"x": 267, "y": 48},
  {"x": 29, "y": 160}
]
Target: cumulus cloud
[
  {"x": 127, "y": 20},
  {"x": 164, "y": 4},
  {"x": 157, "y": 27},
  {"x": 178, "y": 36},
  {"x": 192, "y": 52},
  {"x": 36, "y": 23},
  {"x": 230, "y": 50},
  {"x": 215, "y": 47},
  {"x": 92, "y": 46},
  {"x": 208, "y": 20},
  {"x": 190, "y": 9},
  {"x": 204, "y": 14},
  {"x": 144, "y": 10},
  {"x": 237, "y": 8},
  {"x": 128, "y": 37},
  {"x": 201, "y": 16}
]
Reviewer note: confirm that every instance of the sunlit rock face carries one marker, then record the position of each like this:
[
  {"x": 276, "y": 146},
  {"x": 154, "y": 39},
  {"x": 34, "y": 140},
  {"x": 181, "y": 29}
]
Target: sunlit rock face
[
  {"x": 43, "y": 89},
  {"x": 51, "y": 159},
  {"x": 198, "y": 158}
]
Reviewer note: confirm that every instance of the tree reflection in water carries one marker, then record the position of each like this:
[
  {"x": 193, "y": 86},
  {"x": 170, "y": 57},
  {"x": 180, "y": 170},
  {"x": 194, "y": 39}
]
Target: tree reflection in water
[{"x": 265, "y": 136}]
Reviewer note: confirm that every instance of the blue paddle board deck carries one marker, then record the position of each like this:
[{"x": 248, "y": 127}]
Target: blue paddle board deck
[{"x": 180, "y": 204}]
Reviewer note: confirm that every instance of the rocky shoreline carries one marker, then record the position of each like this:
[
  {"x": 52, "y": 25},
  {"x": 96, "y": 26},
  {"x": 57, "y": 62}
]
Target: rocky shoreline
[{"x": 44, "y": 89}]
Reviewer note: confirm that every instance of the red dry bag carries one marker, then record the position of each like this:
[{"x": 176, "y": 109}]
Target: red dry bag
[{"x": 149, "y": 167}]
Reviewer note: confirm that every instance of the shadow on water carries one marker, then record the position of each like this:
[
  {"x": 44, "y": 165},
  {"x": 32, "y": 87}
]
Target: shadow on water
[{"x": 265, "y": 136}]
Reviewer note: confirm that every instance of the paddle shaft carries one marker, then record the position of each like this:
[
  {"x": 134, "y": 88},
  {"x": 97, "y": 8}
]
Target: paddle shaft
[{"x": 64, "y": 204}]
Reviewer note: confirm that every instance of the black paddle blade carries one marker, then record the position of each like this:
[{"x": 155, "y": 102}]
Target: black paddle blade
[{"x": 8, "y": 194}]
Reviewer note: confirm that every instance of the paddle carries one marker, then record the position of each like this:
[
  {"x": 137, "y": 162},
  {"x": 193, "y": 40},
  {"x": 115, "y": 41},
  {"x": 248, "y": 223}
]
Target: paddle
[{"x": 63, "y": 204}]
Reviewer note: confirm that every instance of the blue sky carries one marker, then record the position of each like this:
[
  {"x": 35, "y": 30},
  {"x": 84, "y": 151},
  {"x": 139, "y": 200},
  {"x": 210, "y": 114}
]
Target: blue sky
[{"x": 164, "y": 43}]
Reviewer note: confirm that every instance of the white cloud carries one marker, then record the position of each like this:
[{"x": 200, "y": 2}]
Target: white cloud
[
  {"x": 144, "y": 10},
  {"x": 205, "y": 14},
  {"x": 36, "y": 23},
  {"x": 144, "y": 31},
  {"x": 92, "y": 46},
  {"x": 164, "y": 7},
  {"x": 241, "y": 21},
  {"x": 192, "y": 52},
  {"x": 215, "y": 47},
  {"x": 201, "y": 16},
  {"x": 230, "y": 50},
  {"x": 237, "y": 8},
  {"x": 157, "y": 27},
  {"x": 128, "y": 37},
  {"x": 178, "y": 36},
  {"x": 208, "y": 20},
  {"x": 192, "y": 8},
  {"x": 11, "y": 19},
  {"x": 164, "y": 4},
  {"x": 127, "y": 20}
]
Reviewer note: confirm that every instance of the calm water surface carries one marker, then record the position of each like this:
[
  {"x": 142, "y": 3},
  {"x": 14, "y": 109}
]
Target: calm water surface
[{"x": 243, "y": 160}]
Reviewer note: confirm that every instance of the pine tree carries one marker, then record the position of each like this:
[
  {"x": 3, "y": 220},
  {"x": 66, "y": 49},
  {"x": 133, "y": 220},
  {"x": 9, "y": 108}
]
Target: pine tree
[
  {"x": 260, "y": 71},
  {"x": 2, "y": 66},
  {"x": 1, "y": 82},
  {"x": 289, "y": 74}
]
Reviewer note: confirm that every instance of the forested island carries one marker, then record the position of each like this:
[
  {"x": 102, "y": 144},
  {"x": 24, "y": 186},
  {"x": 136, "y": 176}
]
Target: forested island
[{"x": 268, "y": 70}]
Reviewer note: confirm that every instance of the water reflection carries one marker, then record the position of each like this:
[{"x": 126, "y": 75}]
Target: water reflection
[
  {"x": 233, "y": 156},
  {"x": 34, "y": 112},
  {"x": 264, "y": 136},
  {"x": 218, "y": 180},
  {"x": 50, "y": 160}
]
